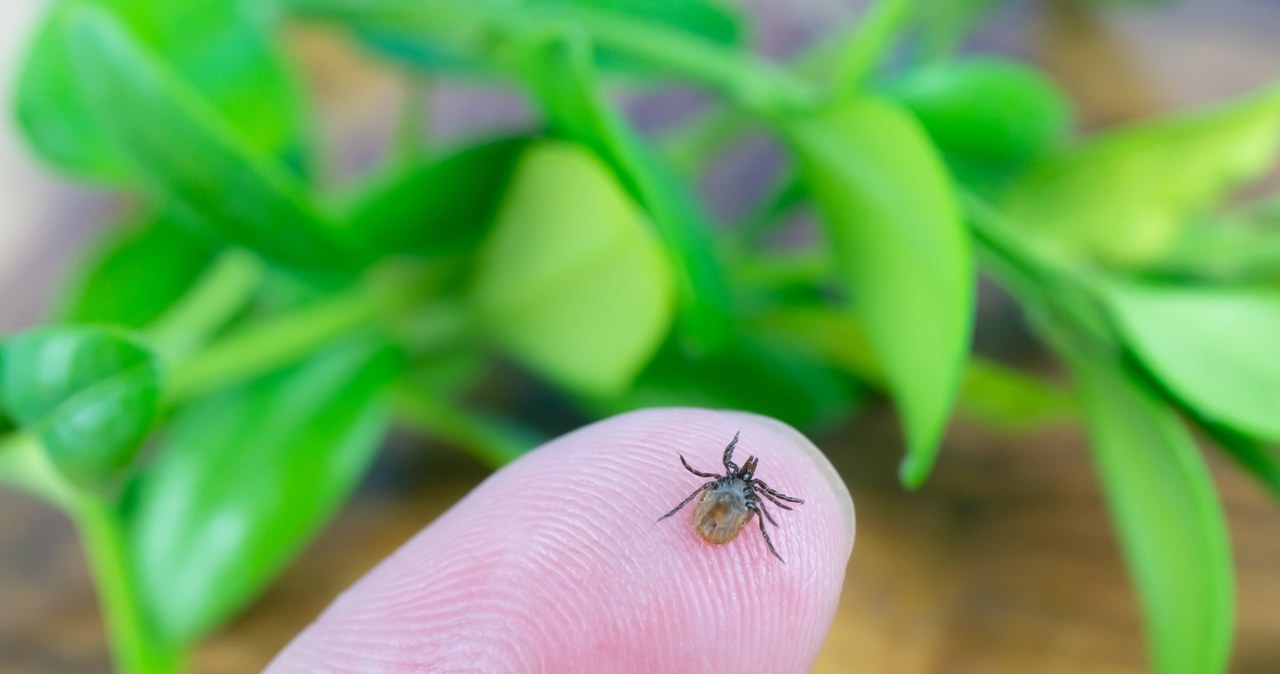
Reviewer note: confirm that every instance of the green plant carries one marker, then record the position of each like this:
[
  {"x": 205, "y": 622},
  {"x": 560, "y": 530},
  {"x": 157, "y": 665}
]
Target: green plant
[{"x": 263, "y": 333}]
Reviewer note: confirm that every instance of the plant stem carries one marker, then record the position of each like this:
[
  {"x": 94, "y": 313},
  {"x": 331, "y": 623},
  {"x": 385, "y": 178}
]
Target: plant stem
[
  {"x": 136, "y": 649},
  {"x": 271, "y": 343},
  {"x": 693, "y": 145},
  {"x": 488, "y": 439},
  {"x": 1060, "y": 296},
  {"x": 874, "y": 34},
  {"x": 436, "y": 326},
  {"x": 24, "y": 464},
  {"x": 395, "y": 299},
  {"x": 753, "y": 83},
  {"x": 221, "y": 292}
]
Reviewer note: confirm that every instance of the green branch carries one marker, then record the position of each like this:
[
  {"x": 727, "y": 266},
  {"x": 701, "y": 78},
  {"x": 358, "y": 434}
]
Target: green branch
[
  {"x": 755, "y": 84},
  {"x": 270, "y": 343},
  {"x": 493, "y": 441},
  {"x": 221, "y": 292},
  {"x": 874, "y": 34},
  {"x": 24, "y": 464},
  {"x": 501, "y": 33},
  {"x": 136, "y": 648}
]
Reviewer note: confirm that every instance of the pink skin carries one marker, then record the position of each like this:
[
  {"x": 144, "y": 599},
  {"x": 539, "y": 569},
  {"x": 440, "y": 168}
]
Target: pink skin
[{"x": 556, "y": 564}]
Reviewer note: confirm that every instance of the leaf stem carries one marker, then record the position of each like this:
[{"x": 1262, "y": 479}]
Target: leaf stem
[
  {"x": 691, "y": 146},
  {"x": 397, "y": 299},
  {"x": 136, "y": 649},
  {"x": 270, "y": 343},
  {"x": 1058, "y": 295},
  {"x": 753, "y": 83},
  {"x": 217, "y": 297},
  {"x": 874, "y": 34},
  {"x": 24, "y": 464},
  {"x": 493, "y": 441}
]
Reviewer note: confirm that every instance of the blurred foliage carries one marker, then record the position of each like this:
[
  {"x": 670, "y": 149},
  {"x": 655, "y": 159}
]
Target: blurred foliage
[{"x": 227, "y": 358}]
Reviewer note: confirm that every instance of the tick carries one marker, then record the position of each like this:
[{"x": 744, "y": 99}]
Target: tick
[{"x": 729, "y": 501}]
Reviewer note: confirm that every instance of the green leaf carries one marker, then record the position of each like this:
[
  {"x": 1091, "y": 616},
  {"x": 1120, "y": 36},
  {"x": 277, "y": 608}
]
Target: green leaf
[
  {"x": 437, "y": 207},
  {"x": 136, "y": 273},
  {"x": 564, "y": 81},
  {"x": 572, "y": 281},
  {"x": 222, "y": 49},
  {"x": 1212, "y": 347},
  {"x": 89, "y": 394},
  {"x": 1168, "y": 519},
  {"x": 51, "y": 111},
  {"x": 191, "y": 155},
  {"x": 562, "y": 75},
  {"x": 986, "y": 109},
  {"x": 1125, "y": 196},
  {"x": 243, "y": 479},
  {"x": 892, "y": 222}
]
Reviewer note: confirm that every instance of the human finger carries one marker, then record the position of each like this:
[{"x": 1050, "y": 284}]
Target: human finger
[{"x": 556, "y": 564}]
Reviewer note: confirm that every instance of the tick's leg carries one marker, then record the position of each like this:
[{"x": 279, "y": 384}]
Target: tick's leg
[
  {"x": 685, "y": 502},
  {"x": 769, "y": 542},
  {"x": 695, "y": 472},
  {"x": 777, "y": 494},
  {"x": 772, "y": 499},
  {"x": 729, "y": 465},
  {"x": 765, "y": 511}
]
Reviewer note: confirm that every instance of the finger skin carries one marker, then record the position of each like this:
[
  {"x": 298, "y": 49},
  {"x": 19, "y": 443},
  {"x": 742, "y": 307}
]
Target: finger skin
[{"x": 556, "y": 564}]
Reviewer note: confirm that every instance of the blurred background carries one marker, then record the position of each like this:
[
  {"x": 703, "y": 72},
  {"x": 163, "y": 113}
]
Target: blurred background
[{"x": 1005, "y": 561}]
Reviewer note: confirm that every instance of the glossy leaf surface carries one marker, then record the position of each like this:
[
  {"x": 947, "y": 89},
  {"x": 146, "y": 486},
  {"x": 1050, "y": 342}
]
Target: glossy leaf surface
[
  {"x": 220, "y": 48},
  {"x": 1168, "y": 518},
  {"x": 437, "y": 207},
  {"x": 89, "y": 394},
  {"x": 244, "y": 478},
  {"x": 1215, "y": 348},
  {"x": 904, "y": 257},
  {"x": 572, "y": 281},
  {"x": 1125, "y": 196},
  {"x": 568, "y": 88},
  {"x": 133, "y": 275},
  {"x": 191, "y": 155},
  {"x": 986, "y": 109}
]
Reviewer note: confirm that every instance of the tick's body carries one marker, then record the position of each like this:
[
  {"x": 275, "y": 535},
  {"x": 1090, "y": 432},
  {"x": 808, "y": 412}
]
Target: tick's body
[
  {"x": 723, "y": 510},
  {"x": 729, "y": 501}
]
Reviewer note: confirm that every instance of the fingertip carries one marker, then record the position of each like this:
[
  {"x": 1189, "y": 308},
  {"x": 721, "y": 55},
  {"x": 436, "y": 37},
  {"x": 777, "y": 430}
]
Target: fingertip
[{"x": 554, "y": 564}]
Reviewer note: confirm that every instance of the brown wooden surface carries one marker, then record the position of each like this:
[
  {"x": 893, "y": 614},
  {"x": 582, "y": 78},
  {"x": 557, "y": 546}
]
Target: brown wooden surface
[{"x": 1003, "y": 562}]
